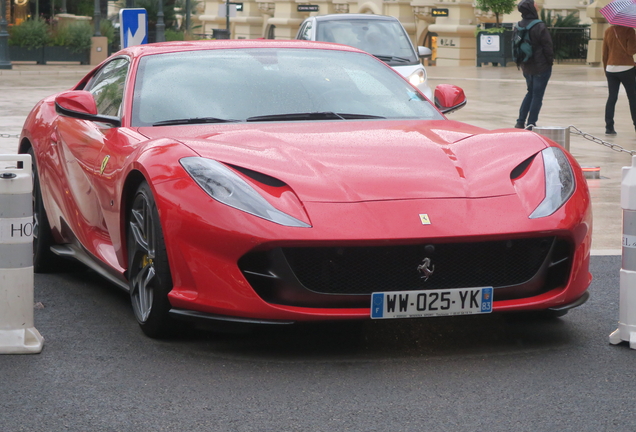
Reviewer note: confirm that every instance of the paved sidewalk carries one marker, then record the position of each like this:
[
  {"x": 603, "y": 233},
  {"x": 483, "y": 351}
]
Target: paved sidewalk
[{"x": 575, "y": 96}]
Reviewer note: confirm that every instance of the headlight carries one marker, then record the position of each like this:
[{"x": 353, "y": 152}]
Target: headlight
[
  {"x": 418, "y": 77},
  {"x": 228, "y": 188},
  {"x": 559, "y": 182}
]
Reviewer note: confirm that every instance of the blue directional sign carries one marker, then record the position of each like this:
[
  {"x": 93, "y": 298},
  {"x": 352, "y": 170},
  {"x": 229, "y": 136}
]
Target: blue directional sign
[{"x": 133, "y": 27}]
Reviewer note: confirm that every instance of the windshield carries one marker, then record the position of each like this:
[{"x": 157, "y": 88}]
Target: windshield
[
  {"x": 384, "y": 39},
  {"x": 271, "y": 84}
]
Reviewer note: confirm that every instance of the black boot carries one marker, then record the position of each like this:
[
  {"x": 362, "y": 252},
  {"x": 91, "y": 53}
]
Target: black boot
[{"x": 520, "y": 125}]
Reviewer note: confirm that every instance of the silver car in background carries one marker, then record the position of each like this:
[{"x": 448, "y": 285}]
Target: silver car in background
[{"x": 382, "y": 36}]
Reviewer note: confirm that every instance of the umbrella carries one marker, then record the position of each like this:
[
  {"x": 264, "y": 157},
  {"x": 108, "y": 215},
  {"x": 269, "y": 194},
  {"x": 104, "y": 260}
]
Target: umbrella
[{"x": 620, "y": 12}]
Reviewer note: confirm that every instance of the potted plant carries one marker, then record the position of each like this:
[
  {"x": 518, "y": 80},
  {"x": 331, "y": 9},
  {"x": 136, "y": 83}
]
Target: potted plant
[
  {"x": 494, "y": 45},
  {"x": 33, "y": 40},
  {"x": 71, "y": 43},
  {"x": 498, "y": 7},
  {"x": 27, "y": 41}
]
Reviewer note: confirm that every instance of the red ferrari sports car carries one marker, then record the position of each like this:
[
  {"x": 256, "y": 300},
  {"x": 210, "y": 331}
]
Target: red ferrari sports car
[{"x": 284, "y": 181}]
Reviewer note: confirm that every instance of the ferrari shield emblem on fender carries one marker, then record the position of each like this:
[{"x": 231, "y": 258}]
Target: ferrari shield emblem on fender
[
  {"x": 425, "y": 219},
  {"x": 104, "y": 163}
]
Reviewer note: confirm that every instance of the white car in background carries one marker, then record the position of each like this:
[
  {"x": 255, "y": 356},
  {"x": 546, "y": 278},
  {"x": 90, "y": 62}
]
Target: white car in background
[{"x": 382, "y": 36}]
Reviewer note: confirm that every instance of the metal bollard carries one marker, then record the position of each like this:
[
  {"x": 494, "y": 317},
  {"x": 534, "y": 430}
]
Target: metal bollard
[
  {"x": 559, "y": 135},
  {"x": 627, "y": 309},
  {"x": 17, "y": 333}
]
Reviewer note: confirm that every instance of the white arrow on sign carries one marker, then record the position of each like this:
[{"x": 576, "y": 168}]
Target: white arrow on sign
[{"x": 140, "y": 34}]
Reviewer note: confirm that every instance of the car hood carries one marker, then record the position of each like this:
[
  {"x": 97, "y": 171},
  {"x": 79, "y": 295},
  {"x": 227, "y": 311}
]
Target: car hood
[{"x": 355, "y": 161}]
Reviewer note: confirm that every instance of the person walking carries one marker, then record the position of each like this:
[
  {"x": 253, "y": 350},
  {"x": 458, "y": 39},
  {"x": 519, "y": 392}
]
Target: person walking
[
  {"x": 619, "y": 47},
  {"x": 538, "y": 68}
]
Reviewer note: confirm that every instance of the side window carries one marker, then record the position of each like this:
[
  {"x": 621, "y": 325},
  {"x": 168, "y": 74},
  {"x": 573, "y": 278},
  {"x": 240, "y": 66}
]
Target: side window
[
  {"x": 107, "y": 87},
  {"x": 305, "y": 32}
]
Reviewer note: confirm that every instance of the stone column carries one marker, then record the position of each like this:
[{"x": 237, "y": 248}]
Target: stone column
[
  {"x": 267, "y": 11},
  {"x": 599, "y": 24},
  {"x": 422, "y": 10},
  {"x": 286, "y": 18},
  {"x": 456, "y": 41},
  {"x": 366, "y": 6},
  {"x": 326, "y": 7},
  {"x": 340, "y": 6},
  {"x": 210, "y": 18},
  {"x": 403, "y": 11},
  {"x": 248, "y": 24}
]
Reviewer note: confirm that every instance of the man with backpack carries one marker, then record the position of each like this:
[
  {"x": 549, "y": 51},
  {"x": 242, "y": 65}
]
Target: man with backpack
[{"x": 534, "y": 54}]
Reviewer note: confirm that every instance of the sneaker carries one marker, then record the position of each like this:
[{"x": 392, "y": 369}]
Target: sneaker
[
  {"x": 519, "y": 125},
  {"x": 610, "y": 131},
  {"x": 531, "y": 126}
]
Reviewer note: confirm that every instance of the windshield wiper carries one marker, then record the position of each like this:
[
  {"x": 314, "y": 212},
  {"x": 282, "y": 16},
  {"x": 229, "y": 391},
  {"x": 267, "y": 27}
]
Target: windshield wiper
[
  {"x": 390, "y": 58},
  {"x": 328, "y": 115},
  {"x": 194, "y": 120}
]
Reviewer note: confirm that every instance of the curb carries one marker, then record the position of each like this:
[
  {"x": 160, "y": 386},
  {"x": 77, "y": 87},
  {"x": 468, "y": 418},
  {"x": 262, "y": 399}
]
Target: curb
[{"x": 46, "y": 70}]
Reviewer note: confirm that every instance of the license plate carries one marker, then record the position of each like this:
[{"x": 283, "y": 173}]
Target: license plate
[{"x": 415, "y": 304}]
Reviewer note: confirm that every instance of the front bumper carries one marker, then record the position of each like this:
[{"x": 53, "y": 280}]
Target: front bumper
[{"x": 220, "y": 256}]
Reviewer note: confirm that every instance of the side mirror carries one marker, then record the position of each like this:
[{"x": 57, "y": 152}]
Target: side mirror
[
  {"x": 81, "y": 105},
  {"x": 424, "y": 52},
  {"x": 449, "y": 98}
]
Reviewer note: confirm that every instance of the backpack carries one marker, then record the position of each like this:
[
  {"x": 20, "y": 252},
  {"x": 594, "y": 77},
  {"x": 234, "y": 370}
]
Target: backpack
[{"x": 521, "y": 46}]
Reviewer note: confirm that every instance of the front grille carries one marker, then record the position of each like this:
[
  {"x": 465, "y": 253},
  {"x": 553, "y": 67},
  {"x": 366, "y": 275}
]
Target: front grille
[
  {"x": 346, "y": 276},
  {"x": 363, "y": 270}
]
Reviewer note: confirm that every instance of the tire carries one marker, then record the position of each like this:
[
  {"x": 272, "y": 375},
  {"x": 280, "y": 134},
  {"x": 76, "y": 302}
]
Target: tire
[
  {"x": 44, "y": 261},
  {"x": 149, "y": 275}
]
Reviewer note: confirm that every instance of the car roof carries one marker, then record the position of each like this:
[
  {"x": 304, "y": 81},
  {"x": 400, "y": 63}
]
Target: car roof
[
  {"x": 348, "y": 17},
  {"x": 174, "y": 47}
]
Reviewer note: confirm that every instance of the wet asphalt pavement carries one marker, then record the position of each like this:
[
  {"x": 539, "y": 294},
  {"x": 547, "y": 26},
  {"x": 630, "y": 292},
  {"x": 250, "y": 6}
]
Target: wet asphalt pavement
[{"x": 98, "y": 372}]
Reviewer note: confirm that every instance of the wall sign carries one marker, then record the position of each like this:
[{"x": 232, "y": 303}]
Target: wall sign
[
  {"x": 437, "y": 12},
  {"x": 489, "y": 43},
  {"x": 308, "y": 8}
]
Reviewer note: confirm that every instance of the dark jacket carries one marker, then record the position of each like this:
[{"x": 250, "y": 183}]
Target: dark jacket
[{"x": 543, "y": 52}]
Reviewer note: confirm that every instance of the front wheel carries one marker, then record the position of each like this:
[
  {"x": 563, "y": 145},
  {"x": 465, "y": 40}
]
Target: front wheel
[{"x": 149, "y": 275}]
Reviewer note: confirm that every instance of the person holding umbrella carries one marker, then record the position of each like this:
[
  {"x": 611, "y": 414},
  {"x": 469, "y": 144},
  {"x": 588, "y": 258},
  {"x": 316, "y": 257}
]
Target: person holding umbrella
[{"x": 619, "y": 47}]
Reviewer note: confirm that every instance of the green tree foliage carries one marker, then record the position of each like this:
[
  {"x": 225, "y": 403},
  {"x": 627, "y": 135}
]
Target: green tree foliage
[
  {"x": 33, "y": 34},
  {"x": 174, "y": 35},
  {"x": 567, "y": 35},
  {"x": 107, "y": 29},
  {"x": 80, "y": 7},
  {"x": 498, "y": 7},
  {"x": 152, "y": 7},
  {"x": 30, "y": 34},
  {"x": 570, "y": 20},
  {"x": 76, "y": 36},
  {"x": 83, "y": 7}
]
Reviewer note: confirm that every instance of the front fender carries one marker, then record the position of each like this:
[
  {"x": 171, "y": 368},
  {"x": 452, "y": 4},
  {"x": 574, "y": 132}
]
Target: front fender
[{"x": 156, "y": 163}]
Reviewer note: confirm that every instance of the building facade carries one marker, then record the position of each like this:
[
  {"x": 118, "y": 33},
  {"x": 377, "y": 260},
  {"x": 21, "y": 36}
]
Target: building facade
[{"x": 452, "y": 36}]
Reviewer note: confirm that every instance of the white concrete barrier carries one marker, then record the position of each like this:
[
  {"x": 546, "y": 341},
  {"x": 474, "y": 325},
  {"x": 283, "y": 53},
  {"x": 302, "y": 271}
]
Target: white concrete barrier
[
  {"x": 627, "y": 309},
  {"x": 17, "y": 333}
]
